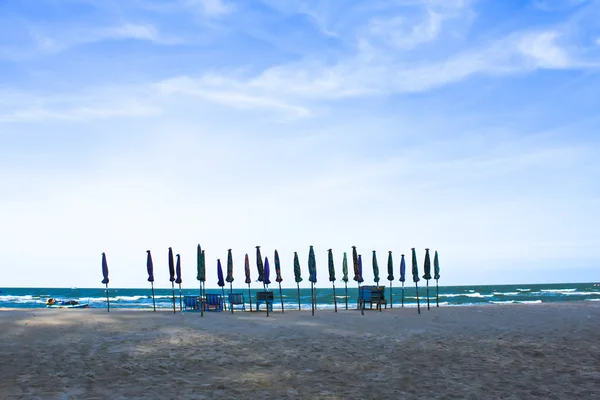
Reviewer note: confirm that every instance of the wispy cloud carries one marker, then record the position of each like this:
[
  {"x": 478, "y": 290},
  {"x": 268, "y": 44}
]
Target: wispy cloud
[{"x": 211, "y": 8}]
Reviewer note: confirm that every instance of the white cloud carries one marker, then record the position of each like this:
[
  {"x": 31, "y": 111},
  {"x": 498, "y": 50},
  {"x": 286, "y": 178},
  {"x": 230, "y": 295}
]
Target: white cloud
[
  {"x": 543, "y": 50},
  {"x": 211, "y": 8},
  {"x": 399, "y": 33}
]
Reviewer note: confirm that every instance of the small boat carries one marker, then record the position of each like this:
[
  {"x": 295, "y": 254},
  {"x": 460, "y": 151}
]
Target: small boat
[{"x": 53, "y": 303}]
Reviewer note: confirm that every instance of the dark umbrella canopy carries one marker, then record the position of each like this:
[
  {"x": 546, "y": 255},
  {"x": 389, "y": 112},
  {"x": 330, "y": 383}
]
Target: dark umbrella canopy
[
  {"x": 402, "y": 269},
  {"x": 150, "y": 267},
  {"x": 427, "y": 266},
  {"x": 201, "y": 276},
  {"x": 375, "y": 268},
  {"x": 259, "y": 265},
  {"x": 221, "y": 281},
  {"x": 171, "y": 266},
  {"x": 415, "y": 268},
  {"x": 247, "y": 269},
  {"x": 229, "y": 266},
  {"x": 267, "y": 272},
  {"x": 203, "y": 266},
  {"x": 178, "y": 270},
  {"x": 360, "y": 267},
  {"x": 345, "y": 268},
  {"x": 390, "y": 267},
  {"x": 436, "y": 266},
  {"x": 330, "y": 265},
  {"x": 297, "y": 271},
  {"x": 104, "y": 270},
  {"x": 357, "y": 271},
  {"x": 312, "y": 266},
  {"x": 279, "y": 279}
]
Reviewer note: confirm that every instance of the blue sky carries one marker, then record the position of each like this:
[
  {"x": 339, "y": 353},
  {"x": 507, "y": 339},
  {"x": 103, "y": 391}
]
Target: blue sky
[{"x": 470, "y": 127}]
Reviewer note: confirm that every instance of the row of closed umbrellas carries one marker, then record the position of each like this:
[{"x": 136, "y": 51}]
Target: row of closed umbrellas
[{"x": 264, "y": 273}]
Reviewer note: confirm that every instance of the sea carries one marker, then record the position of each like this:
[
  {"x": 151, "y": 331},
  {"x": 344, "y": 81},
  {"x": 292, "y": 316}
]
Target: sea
[{"x": 446, "y": 295}]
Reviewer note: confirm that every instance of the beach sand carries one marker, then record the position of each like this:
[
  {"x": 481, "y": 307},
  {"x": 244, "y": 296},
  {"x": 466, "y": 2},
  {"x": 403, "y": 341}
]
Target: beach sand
[{"x": 546, "y": 351}]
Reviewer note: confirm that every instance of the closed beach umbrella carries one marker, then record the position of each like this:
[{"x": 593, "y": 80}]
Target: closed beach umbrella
[
  {"x": 312, "y": 276},
  {"x": 105, "y": 279},
  {"x": 297, "y": 276},
  {"x": 402, "y": 275},
  {"x": 415, "y": 274},
  {"x": 391, "y": 276},
  {"x": 436, "y": 276},
  {"x": 172, "y": 276},
  {"x": 220, "y": 279},
  {"x": 201, "y": 275},
  {"x": 345, "y": 276},
  {"x": 278, "y": 279},
  {"x": 178, "y": 280},
  {"x": 332, "y": 275},
  {"x": 266, "y": 278},
  {"x": 259, "y": 265},
  {"x": 427, "y": 276},
  {"x": 150, "y": 268},
  {"x": 248, "y": 280},
  {"x": 357, "y": 273},
  {"x": 375, "y": 268},
  {"x": 230, "y": 272}
]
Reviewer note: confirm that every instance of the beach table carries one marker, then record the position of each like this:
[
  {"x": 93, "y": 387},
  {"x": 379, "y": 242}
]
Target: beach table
[{"x": 264, "y": 297}]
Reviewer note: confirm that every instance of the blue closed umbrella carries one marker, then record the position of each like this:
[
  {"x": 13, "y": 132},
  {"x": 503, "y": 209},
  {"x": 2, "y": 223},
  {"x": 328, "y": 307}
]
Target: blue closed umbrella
[
  {"x": 150, "y": 268},
  {"x": 105, "y": 280},
  {"x": 220, "y": 278}
]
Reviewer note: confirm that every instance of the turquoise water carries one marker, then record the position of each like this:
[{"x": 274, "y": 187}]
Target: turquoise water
[{"x": 448, "y": 295}]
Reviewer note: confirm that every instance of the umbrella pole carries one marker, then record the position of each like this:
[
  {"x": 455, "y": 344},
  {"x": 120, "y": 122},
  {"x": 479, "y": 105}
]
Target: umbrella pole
[
  {"x": 180, "y": 300},
  {"x": 107, "y": 300},
  {"x": 428, "y": 295},
  {"x": 250, "y": 297},
  {"x": 230, "y": 292},
  {"x": 418, "y": 304},
  {"x": 173, "y": 288},
  {"x": 334, "y": 298},
  {"x": 402, "y": 294},
  {"x": 266, "y": 301},
  {"x": 312, "y": 297},
  {"x": 153, "y": 300},
  {"x": 437, "y": 294},
  {"x": 299, "y": 308},
  {"x": 223, "y": 297},
  {"x": 201, "y": 300},
  {"x": 346, "y": 286},
  {"x": 361, "y": 306},
  {"x": 281, "y": 297},
  {"x": 391, "y": 296}
]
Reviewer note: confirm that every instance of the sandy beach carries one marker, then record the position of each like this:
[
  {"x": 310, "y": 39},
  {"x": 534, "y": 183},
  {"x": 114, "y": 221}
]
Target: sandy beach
[{"x": 549, "y": 351}]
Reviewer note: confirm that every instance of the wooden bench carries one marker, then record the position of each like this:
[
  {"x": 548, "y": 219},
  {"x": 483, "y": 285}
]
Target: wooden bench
[
  {"x": 264, "y": 297},
  {"x": 372, "y": 295}
]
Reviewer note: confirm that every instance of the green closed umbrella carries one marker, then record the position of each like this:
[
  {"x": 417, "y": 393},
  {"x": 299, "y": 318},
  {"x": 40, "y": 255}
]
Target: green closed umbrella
[
  {"x": 415, "y": 274},
  {"x": 278, "y": 279},
  {"x": 375, "y": 269},
  {"x": 229, "y": 274},
  {"x": 345, "y": 277},
  {"x": 436, "y": 276},
  {"x": 312, "y": 276},
  {"x": 390, "y": 276},
  {"x": 297, "y": 276},
  {"x": 172, "y": 275},
  {"x": 260, "y": 267},
  {"x": 332, "y": 275},
  {"x": 427, "y": 276}
]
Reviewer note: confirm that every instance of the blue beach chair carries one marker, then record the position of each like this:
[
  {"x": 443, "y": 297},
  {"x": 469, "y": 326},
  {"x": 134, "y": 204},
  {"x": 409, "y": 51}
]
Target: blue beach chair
[
  {"x": 191, "y": 303},
  {"x": 214, "y": 302},
  {"x": 236, "y": 299}
]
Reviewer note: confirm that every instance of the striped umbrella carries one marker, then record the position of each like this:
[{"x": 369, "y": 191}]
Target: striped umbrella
[
  {"x": 248, "y": 280},
  {"x": 179, "y": 280},
  {"x": 150, "y": 268},
  {"x": 220, "y": 279},
  {"x": 267, "y": 280},
  {"x": 332, "y": 275},
  {"x": 105, "y": 280},
  {"x": 172, "y": 276},
  {"x": 375, "y": 269},
  {"x": 259, "y": 265},
  {"x": 230, "y": 272},
  {"x": 297, "y": 276},
  {"x": 312, "y": 276},
  {"x": 436, "y": 276},
  {"x": 201, "y": 276},
  {"x": 345, "y": 277},
  {"x": 415, "y": 274},
  {"x": 391, "y": 276},
  {"x": 402, "y": 275},
  {"x": 279, "y": 279},
  {"x": 427, "y": 276}
]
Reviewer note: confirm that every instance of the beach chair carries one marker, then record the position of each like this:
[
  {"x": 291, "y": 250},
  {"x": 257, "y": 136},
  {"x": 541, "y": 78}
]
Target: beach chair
[
  {"x": 214, "y": 302},
  {"x": 264, "y": 297},
  {"x": 372, "y": 295},
  {"x": 236, "y": 299},
  {"x": 191, "y": 303}
]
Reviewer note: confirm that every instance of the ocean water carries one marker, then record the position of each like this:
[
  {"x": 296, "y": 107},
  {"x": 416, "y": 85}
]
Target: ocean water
[{"x": 448, "y": 295}]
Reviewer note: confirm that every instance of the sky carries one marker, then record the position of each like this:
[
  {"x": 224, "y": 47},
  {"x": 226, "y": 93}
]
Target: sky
[{"x": 467, "y": 127}]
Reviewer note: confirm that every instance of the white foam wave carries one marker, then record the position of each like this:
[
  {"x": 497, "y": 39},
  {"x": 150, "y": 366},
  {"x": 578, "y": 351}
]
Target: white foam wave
[
  {"x": 529, "y": 302},
  {"x": 506, "y": 293},
  {"x": 557, "y": 290},
  {"x": 523, "y": 290},
  {"x": 592, "y": 299}
]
